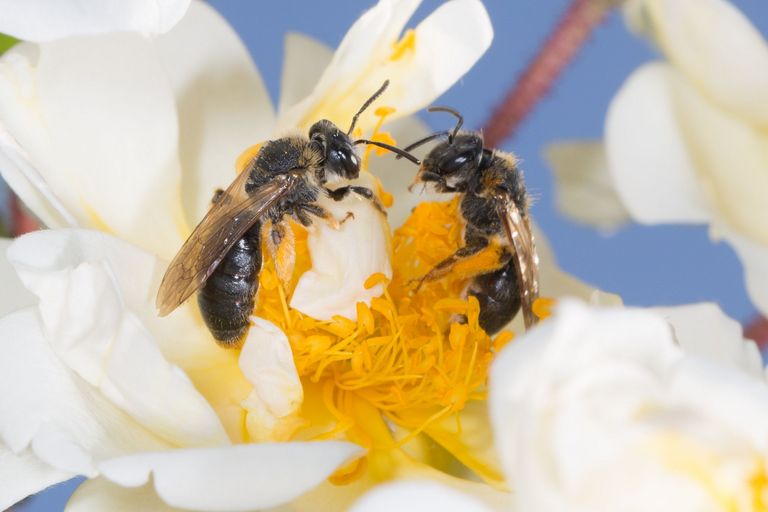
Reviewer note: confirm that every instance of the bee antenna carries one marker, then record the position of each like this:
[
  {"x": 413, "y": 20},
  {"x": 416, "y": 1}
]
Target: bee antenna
[
  {"x": 423, "y": 141},
  {"x": 368, "y": 104},
  {"x": 455, "y": 113},
  {"x": 399, "y": 152}
]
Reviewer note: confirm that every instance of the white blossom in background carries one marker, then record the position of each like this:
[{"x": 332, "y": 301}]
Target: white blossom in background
[
  {"x": 685, "y": 137},
  {"x": 130, "y": 136},
  {"x": 633, "y": 410}
]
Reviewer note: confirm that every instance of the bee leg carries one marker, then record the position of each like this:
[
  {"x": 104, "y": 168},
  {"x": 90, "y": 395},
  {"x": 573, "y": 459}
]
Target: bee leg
[
  {"x": 319, "y": 211},
  {"x": 445, "y": 266},
  {"x": 280, "y": 243},
  {"x": 342, "y": 192}
]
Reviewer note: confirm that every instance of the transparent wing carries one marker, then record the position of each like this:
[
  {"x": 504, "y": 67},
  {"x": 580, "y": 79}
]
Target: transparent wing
[
  {"x": 224, "y": 224},
  {"x": 526, "y": 259}
]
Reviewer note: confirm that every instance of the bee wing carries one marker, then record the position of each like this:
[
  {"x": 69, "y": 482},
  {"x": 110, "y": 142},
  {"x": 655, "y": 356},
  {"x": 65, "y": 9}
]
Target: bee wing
[
  {"x": 224, "y": 224},
  {"x": 526, "y": 259}
]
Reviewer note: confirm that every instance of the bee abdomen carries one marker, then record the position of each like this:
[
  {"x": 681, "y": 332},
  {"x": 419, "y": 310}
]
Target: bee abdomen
[
  {"x": 499, "y": 297},
  {"x": 227, "y": 299}
]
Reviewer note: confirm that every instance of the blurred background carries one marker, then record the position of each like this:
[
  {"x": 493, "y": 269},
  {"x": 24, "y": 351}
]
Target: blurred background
[{"x": 644, "y": 265}]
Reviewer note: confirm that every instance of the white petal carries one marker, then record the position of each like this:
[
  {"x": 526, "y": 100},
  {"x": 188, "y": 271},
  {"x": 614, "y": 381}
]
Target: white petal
[
  {"x": 343, "y": 259},
  {"x": 584, "y": 188},
  {"x": 90, "y": 327},
  {"x": 591, "y": 391},
  {"x": 304, "y": 60},
  {"x": 704, "y": 330},
  {"x": 718, "y": 49},
  {"x": 267, "y": 362},
  {"x": 27, "y": 182},
  {"x": 99, "y": 494},
  {"x": 47, "y": 406},
  {"x": 416, "y": 496},
  {"x": 39, "y": 20},
  {"x": 23, "y": 475},
  {"x": 447, "y": 45},
  {"x": 97, "y": 119},
  {"x": 223, "y": 105},
  {"x": 731, "y": 158},
  {"x": 242, "y": 477},
  {"x": 754, "y": 258},
  {"x": 14, "y": 296},
  {"x": 648, "y": 156}
]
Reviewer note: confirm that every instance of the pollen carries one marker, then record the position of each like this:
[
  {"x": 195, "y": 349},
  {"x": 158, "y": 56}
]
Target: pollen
[
  {"x": 414, "y": 355},
  {"x": 406, "y": 44}
]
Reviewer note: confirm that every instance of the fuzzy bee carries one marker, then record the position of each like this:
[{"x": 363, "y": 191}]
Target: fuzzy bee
[
  {"x": 494, "y": 211},
  {"x": 222, "y": 257}
]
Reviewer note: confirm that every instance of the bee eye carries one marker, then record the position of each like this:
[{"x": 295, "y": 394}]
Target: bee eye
[{"x": 453, "y": 164}]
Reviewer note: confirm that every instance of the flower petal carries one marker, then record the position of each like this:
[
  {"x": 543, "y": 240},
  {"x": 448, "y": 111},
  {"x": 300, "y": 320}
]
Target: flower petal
[
  {"x": 39, "y": 20},
  {"x": 267, "y": 362},
  {"x": 27, "y": 182},
  {"x": 65, "y": 422},
  {"x": 98, "y": 494},
  {"x": 754, "y": 258},
  {"x": 242, "y": 477},
  {"x": 443, "y": 47},
  {"x": 86, "y": 321},
  {"x": 413, "y": 495},
  {"x": 649, "y": 160},
  {"x": 14, "y": 295},
  {"x": 704, "y": 330},
  {"x": 718, "y": 49},
  {"x": 592, "y": 391},
  {"x": 97, "y": 120},
  {"x": 23, "y": 475},
  {"x": 223, "y": 104},
  {"x": 584, "y": 188},
  {"x": 343, "y": 259},
  {"x": 304, "y": 60}
]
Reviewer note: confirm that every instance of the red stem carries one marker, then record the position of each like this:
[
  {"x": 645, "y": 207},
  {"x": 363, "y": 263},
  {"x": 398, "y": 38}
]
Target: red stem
[
  {"x": 21, "y": 221},
  {"x": 562, "y": 45},
  {"x": 757, "y": 330}
]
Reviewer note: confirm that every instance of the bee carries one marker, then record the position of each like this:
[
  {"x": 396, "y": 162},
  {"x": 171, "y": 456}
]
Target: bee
[
  {"x": 494, "y": 209},
  {"x": 222, "y": 257}
]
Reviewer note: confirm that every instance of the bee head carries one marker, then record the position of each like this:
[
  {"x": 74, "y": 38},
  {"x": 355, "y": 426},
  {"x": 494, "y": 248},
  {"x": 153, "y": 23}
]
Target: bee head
[
  {"x": 453, "y": 163},
  {"x": 337, "y": 148}
]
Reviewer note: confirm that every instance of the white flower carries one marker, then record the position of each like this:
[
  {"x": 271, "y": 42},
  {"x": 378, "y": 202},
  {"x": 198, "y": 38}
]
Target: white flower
[
  {"x": 685, "y": 138},
  {"x": 43, "y": 20},
  {"x": 620, "y": 409},
  {"x": 130, "y": 136}
]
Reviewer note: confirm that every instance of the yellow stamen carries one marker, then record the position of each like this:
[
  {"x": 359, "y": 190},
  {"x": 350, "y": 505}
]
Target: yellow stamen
[
  {"x": 406, "y": 44},
  {"x": 407, "y": 357}
]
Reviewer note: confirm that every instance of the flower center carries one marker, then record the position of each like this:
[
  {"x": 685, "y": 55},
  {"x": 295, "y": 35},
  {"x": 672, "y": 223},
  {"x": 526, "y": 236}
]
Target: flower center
[{"x": 414, "y": 353}]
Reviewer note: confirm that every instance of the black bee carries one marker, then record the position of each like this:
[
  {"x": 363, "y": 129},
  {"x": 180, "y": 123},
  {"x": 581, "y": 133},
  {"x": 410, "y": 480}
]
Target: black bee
[
  {"x": 222, "y": 257},
  {"x": 494, "y": 210}
]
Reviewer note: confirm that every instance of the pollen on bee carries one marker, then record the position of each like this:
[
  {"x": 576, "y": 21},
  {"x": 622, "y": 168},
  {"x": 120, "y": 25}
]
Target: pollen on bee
[{"x": 542, "y": 307}]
